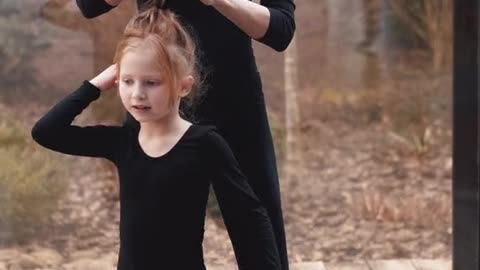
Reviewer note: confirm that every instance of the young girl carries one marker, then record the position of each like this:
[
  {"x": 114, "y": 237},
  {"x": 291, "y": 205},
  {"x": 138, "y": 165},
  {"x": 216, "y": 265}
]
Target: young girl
[
  {"x": 234, "y": 102},
  {"x": 165, "y": 167}
]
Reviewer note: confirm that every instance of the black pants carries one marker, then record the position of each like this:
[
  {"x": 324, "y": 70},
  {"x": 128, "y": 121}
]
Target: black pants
[{"x": 241, "y": 118}]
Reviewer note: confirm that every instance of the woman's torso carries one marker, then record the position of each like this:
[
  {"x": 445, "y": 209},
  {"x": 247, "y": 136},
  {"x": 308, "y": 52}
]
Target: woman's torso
[{"x": 225, "y": 50}]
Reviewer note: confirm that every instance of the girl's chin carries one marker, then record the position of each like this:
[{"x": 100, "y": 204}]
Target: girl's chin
[
  {"x": 140, "y": 117},
  {"x": 145, "y": 118}
]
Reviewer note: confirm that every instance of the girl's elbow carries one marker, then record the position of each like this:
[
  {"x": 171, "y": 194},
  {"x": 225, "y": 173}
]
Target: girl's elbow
[{"x": 37, "y": 133}]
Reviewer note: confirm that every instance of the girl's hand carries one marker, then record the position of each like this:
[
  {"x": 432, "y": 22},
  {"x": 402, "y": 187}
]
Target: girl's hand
[{"x": 106, "y": 79}]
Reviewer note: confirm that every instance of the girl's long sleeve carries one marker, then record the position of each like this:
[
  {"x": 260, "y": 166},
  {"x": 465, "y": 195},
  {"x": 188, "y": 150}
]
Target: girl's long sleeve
[
  {"x": 55, "y": 130},
  {"x": 93, "y": 8},
  {"x": 245, "y": 216},
  {"x": 282, "y": 24}
]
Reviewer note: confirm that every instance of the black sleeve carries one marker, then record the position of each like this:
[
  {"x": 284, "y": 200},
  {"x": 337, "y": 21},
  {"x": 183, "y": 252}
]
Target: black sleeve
[
  {"x": 246, "y": 219},
  {"x": 55, "y": 131},
  {"x": 93, "y": 8},
  {"x": 282, "y": 24}
]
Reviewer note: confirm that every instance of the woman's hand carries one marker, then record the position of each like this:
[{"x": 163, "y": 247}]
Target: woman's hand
[
  {"x": 106, "y": 79},
  {"x": 252, "y": 18},
  {"x": 113, "y": 2},
  {"x": 208, "y": 2}
]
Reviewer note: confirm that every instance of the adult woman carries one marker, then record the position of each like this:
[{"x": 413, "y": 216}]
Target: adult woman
[{"x": 234, "y": 102}]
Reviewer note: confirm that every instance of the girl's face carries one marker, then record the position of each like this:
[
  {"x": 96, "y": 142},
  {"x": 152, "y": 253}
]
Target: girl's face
[{"x": 143, "y": 88}]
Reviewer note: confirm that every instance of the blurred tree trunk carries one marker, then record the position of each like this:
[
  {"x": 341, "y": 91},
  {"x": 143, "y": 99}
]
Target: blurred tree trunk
[
  {"x": 105, "y": 32},
  {"x": 371, "y": 10},
  {"x": 292, "y": 113},
  {"x": 432, "y": 21}
]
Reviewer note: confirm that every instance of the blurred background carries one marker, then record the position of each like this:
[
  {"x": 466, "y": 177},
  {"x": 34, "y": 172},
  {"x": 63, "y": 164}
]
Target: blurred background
[{"x": 360, "y": 108}]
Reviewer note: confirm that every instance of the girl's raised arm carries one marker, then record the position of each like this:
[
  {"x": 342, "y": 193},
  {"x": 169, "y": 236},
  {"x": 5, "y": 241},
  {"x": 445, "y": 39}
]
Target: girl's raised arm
[
  {"x": 245, "y": 216},
  {"x": 55, "y": 131}
]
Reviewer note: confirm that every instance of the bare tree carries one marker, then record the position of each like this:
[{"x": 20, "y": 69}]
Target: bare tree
[
  {"x": 292, "y": 111},
  {"x": 371, "y": 13},
  {"x": 432, "y": 21}
]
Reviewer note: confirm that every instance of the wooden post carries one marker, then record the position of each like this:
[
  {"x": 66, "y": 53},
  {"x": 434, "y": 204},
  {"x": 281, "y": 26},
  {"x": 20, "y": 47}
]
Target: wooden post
[{"x": 466, "y": 212}]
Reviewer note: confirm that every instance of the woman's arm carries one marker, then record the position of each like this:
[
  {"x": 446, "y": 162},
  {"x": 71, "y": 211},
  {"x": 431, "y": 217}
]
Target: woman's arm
[
  {"x": 55, "y": 131},
  {"x": 93, "y": 8},
  {"x": 245, "y": 216},
  {"x": 271, "y": 22}
]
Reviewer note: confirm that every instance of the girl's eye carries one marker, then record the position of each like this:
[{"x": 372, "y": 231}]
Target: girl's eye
[
  {"x": 152, "y": 82},
  {"x": 127, "y": 81}
]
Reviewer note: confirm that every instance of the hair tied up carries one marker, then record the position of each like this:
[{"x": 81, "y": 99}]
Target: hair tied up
[
  {"x": 153, "y": 3},
  {"x": 160, "y": 3}
]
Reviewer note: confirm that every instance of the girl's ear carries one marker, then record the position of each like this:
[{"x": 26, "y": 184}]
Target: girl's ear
[{"x": 186, "y": 85}]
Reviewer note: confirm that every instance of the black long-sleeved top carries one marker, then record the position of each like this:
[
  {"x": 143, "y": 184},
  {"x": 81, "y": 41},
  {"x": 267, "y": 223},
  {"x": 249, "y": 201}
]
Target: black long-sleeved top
[
  {"x": 163, "y": 199},
  {"x": 213, "y": 26},
  {"x": 226, "y": 53}
]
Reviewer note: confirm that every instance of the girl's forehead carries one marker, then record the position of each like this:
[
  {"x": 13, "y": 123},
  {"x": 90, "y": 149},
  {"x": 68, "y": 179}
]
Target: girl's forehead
[
  {"x": 137, "y": 53},
  {"x": 138, "y": 63}
]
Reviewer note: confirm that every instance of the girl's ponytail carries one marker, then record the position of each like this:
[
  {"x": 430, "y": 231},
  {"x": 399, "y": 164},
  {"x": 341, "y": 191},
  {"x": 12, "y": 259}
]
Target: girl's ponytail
[{"x": 152, "y": 3}]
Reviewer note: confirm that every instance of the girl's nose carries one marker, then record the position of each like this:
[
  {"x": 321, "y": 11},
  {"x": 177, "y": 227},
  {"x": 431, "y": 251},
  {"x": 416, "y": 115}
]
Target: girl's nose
[{"x": 138, "y": 92}]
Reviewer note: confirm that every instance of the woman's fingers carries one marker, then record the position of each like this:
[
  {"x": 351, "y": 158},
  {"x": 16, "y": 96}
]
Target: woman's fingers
[{"x": 208, "y": 2}]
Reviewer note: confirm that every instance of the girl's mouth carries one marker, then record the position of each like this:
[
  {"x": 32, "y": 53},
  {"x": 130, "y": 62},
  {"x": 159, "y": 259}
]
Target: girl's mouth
[{"x": 141, "y": 107}]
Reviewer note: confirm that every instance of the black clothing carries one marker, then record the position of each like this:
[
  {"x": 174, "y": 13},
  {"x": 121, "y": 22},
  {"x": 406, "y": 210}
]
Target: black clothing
[
  {"x": 163, "y": 199},
  {"x": 234, "y": 102}
]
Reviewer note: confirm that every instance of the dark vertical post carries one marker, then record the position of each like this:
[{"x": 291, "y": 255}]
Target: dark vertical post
[{"x": 465, "y": 137}]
